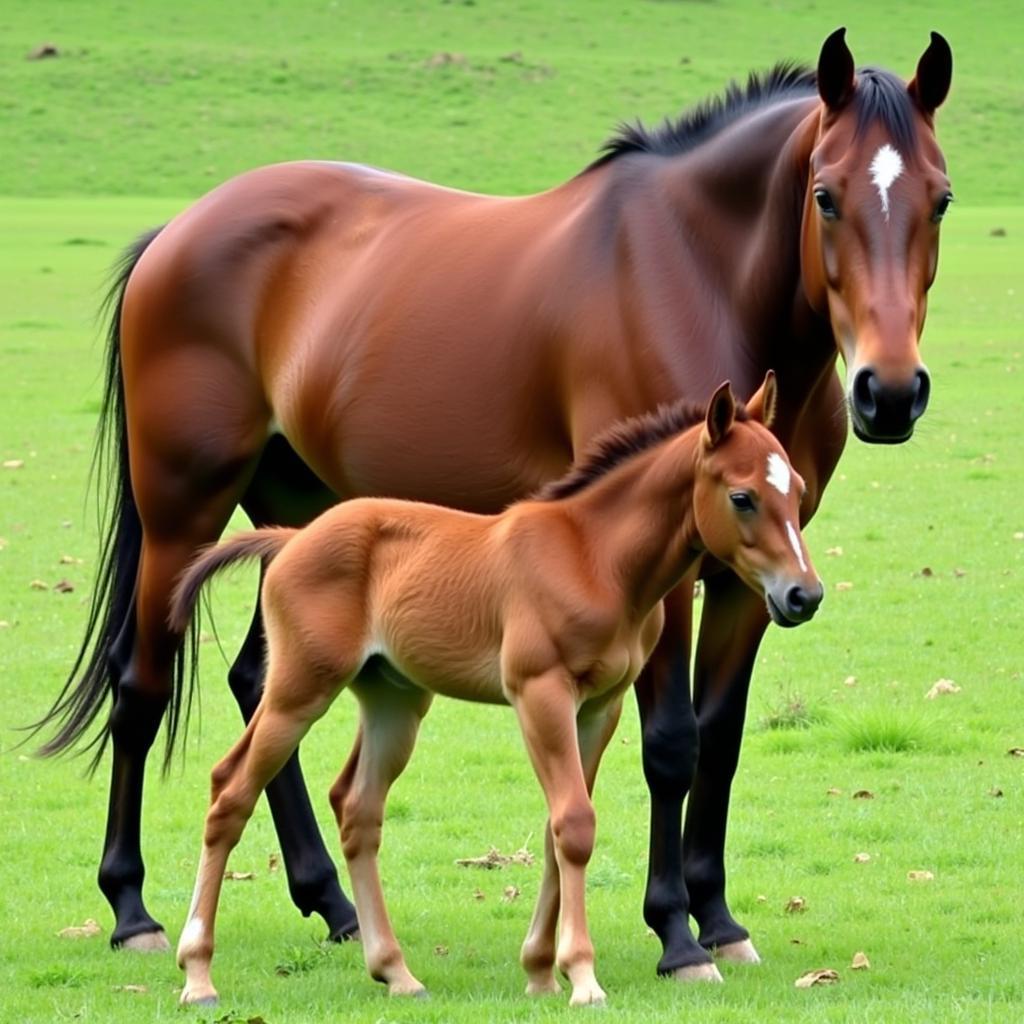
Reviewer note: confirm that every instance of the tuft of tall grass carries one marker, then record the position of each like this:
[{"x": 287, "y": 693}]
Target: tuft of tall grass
[
  {"x": 790, "y": 711},
  {"x": 884, "y": 731}
]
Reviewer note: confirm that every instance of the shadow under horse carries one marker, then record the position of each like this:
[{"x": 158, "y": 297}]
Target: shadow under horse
[{"x": 317, "y": 331}]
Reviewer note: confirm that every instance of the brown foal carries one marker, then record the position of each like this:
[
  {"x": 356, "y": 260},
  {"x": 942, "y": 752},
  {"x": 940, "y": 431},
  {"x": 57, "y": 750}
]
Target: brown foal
[{"x": 553, "y": 606}]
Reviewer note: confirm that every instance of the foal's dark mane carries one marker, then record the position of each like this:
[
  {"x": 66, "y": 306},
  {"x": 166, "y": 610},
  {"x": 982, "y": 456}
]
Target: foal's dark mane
[
  {"x": 621, "y": 441},
  {"x": 879, "y": 95}
]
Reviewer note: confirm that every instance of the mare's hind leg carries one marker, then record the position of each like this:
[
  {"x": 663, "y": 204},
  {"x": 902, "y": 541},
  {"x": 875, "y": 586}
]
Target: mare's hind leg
[
  {"x": 285, "y": 492},
  {"x": 538, "y": 952},
  {"x": 732, "y": 625},
  {"x": 389, "y": 721},
  {"x": 143, "y": 659},
  {"x": 189, "y": 467},
  {"x": 312, "y": 876},
  {"x": 296, "y": 697}
]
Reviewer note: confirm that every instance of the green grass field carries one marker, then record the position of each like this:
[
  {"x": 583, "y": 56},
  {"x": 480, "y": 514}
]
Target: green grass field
[{"x": 145, "y": 109}]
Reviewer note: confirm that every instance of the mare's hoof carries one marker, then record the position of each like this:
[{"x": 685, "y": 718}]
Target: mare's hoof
[
  {"x": 147, "y": 942},
  {"x": 697, "y": 972},
  {"x": 741, "y": 952}
]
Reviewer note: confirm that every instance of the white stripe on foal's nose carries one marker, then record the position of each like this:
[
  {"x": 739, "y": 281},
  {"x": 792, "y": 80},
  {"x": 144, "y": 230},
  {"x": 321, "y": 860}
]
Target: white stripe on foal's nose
[{"x": 794, "y": 543}]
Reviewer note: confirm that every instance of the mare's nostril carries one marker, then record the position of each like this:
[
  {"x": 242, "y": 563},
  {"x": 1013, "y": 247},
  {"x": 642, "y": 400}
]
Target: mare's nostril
[
  {"x": 864, "y": 392},
  {"x": 922, "y": 391}
]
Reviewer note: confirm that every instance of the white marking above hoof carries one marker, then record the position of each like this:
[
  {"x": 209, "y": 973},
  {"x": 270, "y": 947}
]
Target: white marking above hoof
[
  {"x": 589, "y": 994},
  {"x": 147, "y": 942},
  {"x": 741, "y": 952},
  {"x": 697, "y": 972}
]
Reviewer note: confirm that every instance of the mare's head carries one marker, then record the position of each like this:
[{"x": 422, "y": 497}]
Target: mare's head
[
  {"x": 746, "y": 501},
  {"x": 876, "y": 192}
]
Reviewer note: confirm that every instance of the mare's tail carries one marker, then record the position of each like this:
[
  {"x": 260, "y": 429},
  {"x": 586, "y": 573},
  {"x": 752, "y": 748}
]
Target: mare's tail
[
  {"x": 263, "y": 544},
  {"x": 90, "y": 679}
]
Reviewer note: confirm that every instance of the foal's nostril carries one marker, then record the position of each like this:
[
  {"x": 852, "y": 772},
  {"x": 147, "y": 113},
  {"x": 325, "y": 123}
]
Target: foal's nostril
[{"x": 802, "y": 603}]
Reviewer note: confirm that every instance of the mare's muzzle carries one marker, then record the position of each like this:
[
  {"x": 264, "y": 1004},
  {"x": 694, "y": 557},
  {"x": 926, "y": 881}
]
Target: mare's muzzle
[
  {"x": 885, "y": 413},
  {"x": 791, "y": 605}
]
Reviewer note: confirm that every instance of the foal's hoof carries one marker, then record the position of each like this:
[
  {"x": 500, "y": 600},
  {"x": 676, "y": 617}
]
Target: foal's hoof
[
  {"x": 741, "y": 952},
  {"x": 408, "y": 989},
  {"x": 202, "y": 996},
  {"x": 547, "y": 986},
  {"x": 147, "y": 942},
  {"x": 697, "y": 972}
]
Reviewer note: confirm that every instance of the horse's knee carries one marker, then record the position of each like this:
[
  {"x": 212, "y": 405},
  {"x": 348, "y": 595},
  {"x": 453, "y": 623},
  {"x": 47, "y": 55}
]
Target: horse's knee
[
  {"x": 360, "y": 827},
  {"x": 670, "y": 750},
  {"x": 135, "y": 717},
  {"x": 574, "y": 830}
]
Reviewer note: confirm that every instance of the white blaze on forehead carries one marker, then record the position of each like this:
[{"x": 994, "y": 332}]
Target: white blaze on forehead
[
  {"x": 886, "y": 167},
  {"x": 794, "y": 542},
  {"x": 778, "y": 473}
]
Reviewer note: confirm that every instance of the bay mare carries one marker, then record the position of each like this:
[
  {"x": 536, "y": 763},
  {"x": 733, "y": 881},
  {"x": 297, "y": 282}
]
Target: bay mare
[
  {"x": 316, "y": 331},
  {"x": 553, "y": 606}
]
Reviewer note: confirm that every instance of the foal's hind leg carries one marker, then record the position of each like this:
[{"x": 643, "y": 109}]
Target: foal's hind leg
[
  {"x": 390, "y": 720},
  {"x": 538, "y": 952},
  {"x": 271, "y": 737}
]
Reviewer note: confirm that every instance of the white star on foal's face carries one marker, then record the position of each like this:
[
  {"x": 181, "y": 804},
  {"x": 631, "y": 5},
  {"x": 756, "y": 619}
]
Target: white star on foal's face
[
  {"x": 886, "y": 167},
  {"x": 778, "y": 474}
]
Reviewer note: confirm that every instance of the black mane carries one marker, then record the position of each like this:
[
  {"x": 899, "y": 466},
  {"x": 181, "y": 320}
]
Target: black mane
[
  {"x": 879, "y": 95},
  {"x": 622, "y": 441}
]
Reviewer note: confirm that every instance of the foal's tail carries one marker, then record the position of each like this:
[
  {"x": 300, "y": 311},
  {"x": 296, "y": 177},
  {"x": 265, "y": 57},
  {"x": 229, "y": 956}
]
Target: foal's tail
[
  {"x": 263, "y": 544},
  {"x": 89, "y": 681}
]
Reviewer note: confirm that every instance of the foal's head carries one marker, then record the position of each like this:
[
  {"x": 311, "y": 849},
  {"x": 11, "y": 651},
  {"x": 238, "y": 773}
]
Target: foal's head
[
  {"x": 746, "y": 502},
  {"x": 876, "y": 192}
]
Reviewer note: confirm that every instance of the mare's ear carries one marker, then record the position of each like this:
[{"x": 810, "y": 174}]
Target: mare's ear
[
  {"x": 764, "y": 401},
  {"x": 720, "y": 415},
  {"x": 835, "y": 70},
  {"x": 934, "y": 73}
]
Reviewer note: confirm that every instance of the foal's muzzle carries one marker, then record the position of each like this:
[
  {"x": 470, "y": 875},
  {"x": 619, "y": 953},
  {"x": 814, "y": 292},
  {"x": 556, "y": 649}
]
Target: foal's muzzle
[
  {"x": 792, "y": 605},
  {"x": 885, "y": 413}
]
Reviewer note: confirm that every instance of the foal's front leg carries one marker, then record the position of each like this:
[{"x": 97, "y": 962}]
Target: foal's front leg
[
  {"x": 546, "y": 706},
  {"x": 595, "y": 730},
  {"x": 390, "y": 720}
]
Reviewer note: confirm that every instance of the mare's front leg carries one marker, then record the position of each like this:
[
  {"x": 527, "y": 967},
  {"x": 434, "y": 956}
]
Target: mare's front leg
[
  {"x": 669, "y": 736},
  {"x": 546, "y": 706},
  {"x": 312, "y": 876},
  {"x": 595, "y": 730},
  {"x": 390, "y": 718},
  {"x": 732, "y": 625}
]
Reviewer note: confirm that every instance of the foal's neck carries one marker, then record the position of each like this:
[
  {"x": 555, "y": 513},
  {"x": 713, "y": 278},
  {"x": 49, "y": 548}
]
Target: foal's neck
[{"x": 638, "y": 521}]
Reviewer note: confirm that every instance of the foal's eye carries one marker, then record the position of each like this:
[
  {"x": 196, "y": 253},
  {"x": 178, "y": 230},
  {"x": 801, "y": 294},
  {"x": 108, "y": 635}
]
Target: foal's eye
[
  {"x": 826, "y": 204},
  {"x": 941, "y": 207},
  {"x": 741, "y": 501}
]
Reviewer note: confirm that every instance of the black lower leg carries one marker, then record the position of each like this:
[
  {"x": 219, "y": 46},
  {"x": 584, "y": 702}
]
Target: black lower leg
[
  {"x": 312, "y": 876},
  {"x": 731, "y": 629},
  {"x": 669, "y": 757},
  {"x": 134, "y": 722}
]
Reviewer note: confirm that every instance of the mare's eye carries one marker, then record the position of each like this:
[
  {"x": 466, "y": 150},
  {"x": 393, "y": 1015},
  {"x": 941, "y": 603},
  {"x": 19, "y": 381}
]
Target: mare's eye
[
  {"x": 828, "y": 208},
  {"x": 741, "y": 501},
  {"x": 941, "y": 207}
]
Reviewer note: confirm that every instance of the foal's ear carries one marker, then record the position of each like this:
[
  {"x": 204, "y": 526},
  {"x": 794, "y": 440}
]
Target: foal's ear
[
  {"x": 835, "y": 70},
  {"x": 720, "y": 416},
  {"x": 934, "y": 73},
  {"x": 764, "y": 401}
]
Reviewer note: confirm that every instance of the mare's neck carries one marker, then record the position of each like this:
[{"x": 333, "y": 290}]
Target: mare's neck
[{"x": 638, "y": 521}]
